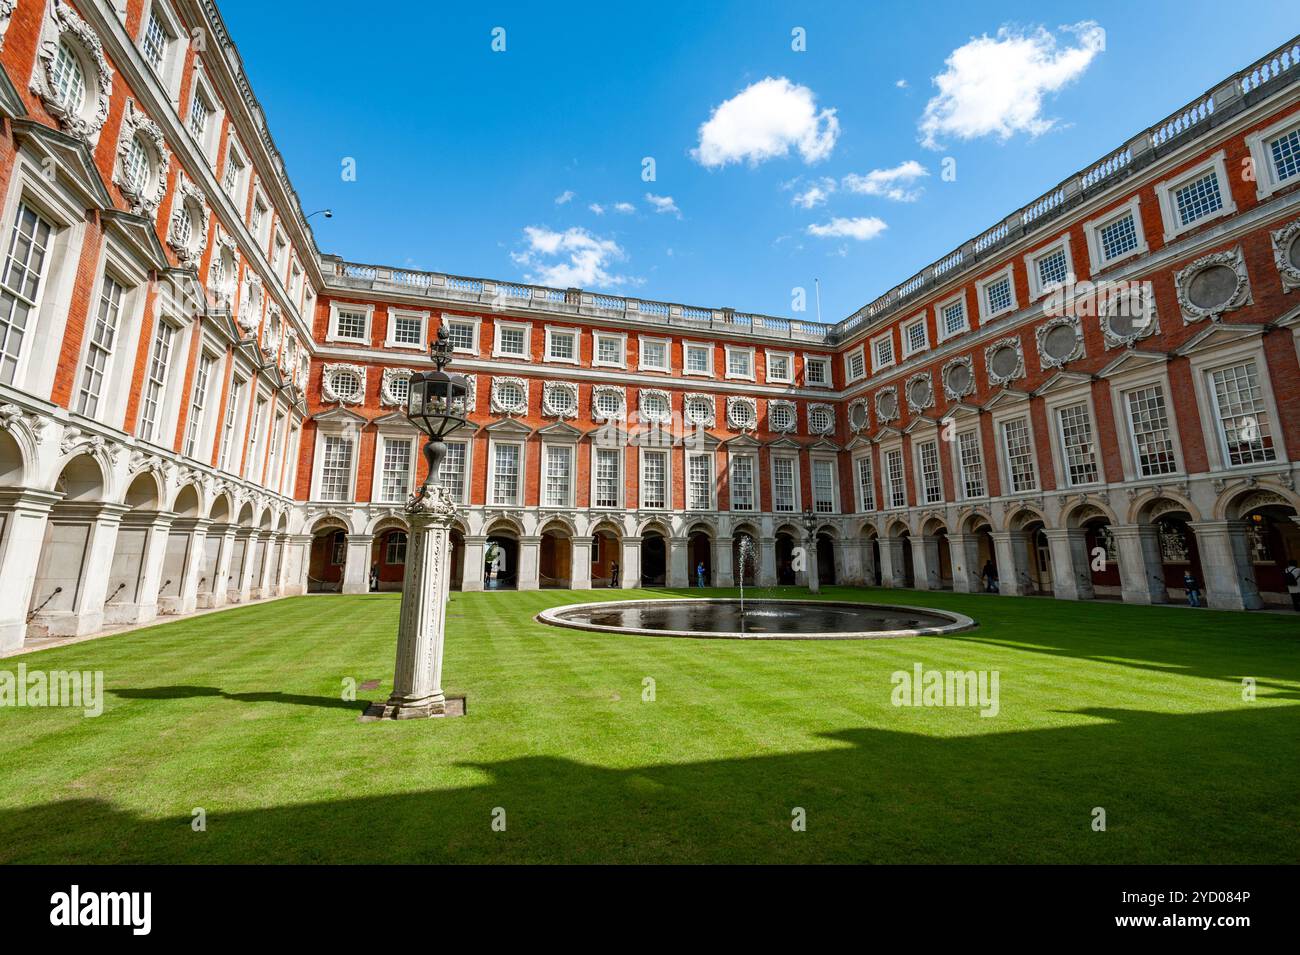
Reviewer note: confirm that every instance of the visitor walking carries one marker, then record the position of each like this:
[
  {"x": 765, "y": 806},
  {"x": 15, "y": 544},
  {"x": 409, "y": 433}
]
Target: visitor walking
[
  {"x": 1193, "y": 589},
  {"x": 699, "y": 574},
  {"x": 990, "y": 575},
  {"x": 1292, "y": 574},
  {"x": 613, "y": 574},
  {"x": 374, "y": 577}
]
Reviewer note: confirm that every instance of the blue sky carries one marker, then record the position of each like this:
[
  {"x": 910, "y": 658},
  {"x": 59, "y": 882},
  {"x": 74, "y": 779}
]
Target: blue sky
[{"x": 513, "y": 164}]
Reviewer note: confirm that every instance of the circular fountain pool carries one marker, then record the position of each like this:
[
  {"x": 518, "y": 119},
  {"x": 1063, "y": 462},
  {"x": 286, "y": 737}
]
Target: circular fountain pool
[{"x": 761, "y": 620}]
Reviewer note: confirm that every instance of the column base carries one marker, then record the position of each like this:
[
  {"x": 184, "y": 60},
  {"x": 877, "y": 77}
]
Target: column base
[{"x": 414, "y": 709}]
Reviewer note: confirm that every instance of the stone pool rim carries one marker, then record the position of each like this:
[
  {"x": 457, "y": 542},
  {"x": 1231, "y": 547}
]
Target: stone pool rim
[{"x": 554, "y": 617}]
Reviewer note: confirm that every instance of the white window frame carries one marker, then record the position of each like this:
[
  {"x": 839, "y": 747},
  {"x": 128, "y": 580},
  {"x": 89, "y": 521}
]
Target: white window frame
[
  {"x": 571, "y": 494},
  {"x": 643, "y": 365},
  {"x": 886, "y": 475},
  {"x": 1093, "y": 229},
  {"x": 1206, "y": 363},
  {"x": 552, "y": 333},
  {"x": 491, "y": 490},
  {"x": 959, "y": 466},
  {"x": 168, "y": 71},
  {"x": 1168, "y": 208},
  {"x": 212, "y": 127},
  {"x": 1020, "y": 412},
  {"x": 1061, "y": 244},
  {"x": 475, "y": 324},
  {"x": 940, "y": 325},
  {"x": 876, "y": 364},
  {"x": 619, "y": 477},
  {"x": 335, "y": 430},
  {"x": 406, "y": 313},
  {"x": 499, "y": 326},
  {"x": 1120, "y": 387},
  {"x": 333, "y": 332},
  {"x": 1266, "y": 181},
  {"x": 825, "y": 362},
  {"x": 793, "y": 458},
  {"x": 788, "y": 378},
  {"x": 755, "y": 484},
  {"x": 687, "y": 348},
  {"x": 1052, "y": 407},
  {"x": 597, "y": 338},
  {"x": 918, "y": 469},
  {"x": 908, "y": 350},
  {"x": 385, "y": 437},
  {"x": 748, "y": 352},
  {"x": 822, "y": 458},
  {"x": 859, "y": 500},
  {"x": 668, "y": 479},
  {"x": 466, "y": 479},
  {"x": 981, "y": 293},
  {"x": 713, "y": 480}
]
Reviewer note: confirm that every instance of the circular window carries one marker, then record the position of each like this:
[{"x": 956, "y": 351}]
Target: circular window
[
  {"x": 135, "y": 168},
  {"x": 1294, "y": 255},
  {"x": 699, "y": 410},
  {"x": 510, "y": 395},
  {"x": 919, "y": 392},
  {"x": 400, "y": 388},
  {"x": 69, "y": 80},
  {"x": 858, "y": 416},
  {"x": 1060, "y": 342},
  {"x": 820, "y": 420},
  {"x": 742, "y": 413},
  {"x": 1212, "y": 287},
  {"x": 1004, "y": 361},
  {"x": 959, "y": 379},
  {"x": 560, "y": 400},
  {"x": 780, "y": 416},
  {"x": 609, "y": 403},
  {"x": 346, "y": 385},
  {"x": 654, "y": 406},
  {"x": 887, "y": 404},
  {"x": 184, "y": 225}
]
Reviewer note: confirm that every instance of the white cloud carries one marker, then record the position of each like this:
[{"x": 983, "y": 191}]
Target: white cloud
[
  {"x": 564, "y": 197},
  {"x": 901, "y": 84},
  {"x": 996, "y": 86},
  {"x": 624, "y": 208},
  {"x": 763, "y": 121},
  {"x": 663, "y": 204},
  {"x": 897, "y": 183},
  {"x": 574, "y": 258},
  {"x": 862, "y": 228},
  {"x": 597, "y": 208},
  {"x": 814, "y": 194}
]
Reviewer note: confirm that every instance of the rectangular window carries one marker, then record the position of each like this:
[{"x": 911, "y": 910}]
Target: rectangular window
[
  {"x": 817, "y": 371},
  {"x": 254, "y": 438},
  {"x": 1153, "y": 444},
  {"x": 1076, "y": 444},
  {"x": 884, "y": 352},
  {"x": 408, "y": 330},
  {"x": 350, "y": 323},
  {"x": 742, "y": 483},
  {"x": 916, "y": 337},
  {"x": 1020, "y": 455},
  {"x": 101, "y": 346},
  {"x": 1198, "y": 199},
  {"x": 607, "y": 477},
  {"x": 505, "y": 479},
  {"x": 699, "y": 482},
  {"x": 395, "y": 477},
  {"x": 20, "y": 285},
  {"x": 1243, "y": 418},
  {"x": 199, "y": 112},
  {"x": 273, "y": 452},
  {"x": 234, "y": 170},
  {"x": 697, "y": 358},
  {"x": 866, "y": 483},
  {"x": 155, "y": 42},
  {"x": 654, "y": 355},
  {"x": 894, "y": 478},
  {"x": 609, "y": 350},
  {"x": 823, "y": 482},
  {"x": 654, "y": 479},
  {"x": 228, "y": 426},
  {"x": 997, "y": 295},
  {"x": 451, "y": 472},
  {"x": 1118, "y": 237},
  {"x": 739, "y": 363},
  {"x": 931, "y": 483},
  {"x": 1285, "y": 151},
  {"x": 559, "y": 475},
  {"x": 291, "y": 467},
  {"x": 395, "y": 552},
  {"x": 562, "y": 346},
  {"x": 156, "y": 381},
  {"x": 336, "y": 469},
  {"x": 1053, "y": 269},
  {"x": 514, "y": 341},
  {"x": 778, "y": 368},
  {"x": 954, "y": 318},
  {"x": 199, "y": 399},
  {"x": 783, "y": 484},
  {"x": 971, "y": 462},
  {"x": 461, "y": 335}
]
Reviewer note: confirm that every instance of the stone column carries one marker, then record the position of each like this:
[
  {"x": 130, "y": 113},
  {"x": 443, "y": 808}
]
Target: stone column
[
  {"x": 530, "y": 554},
  {"x": 263, "y": 582},
  {"x": 143, "y": 602},
  {"x": 766, "y": 561},
  {"x": 580, "y": 564},
  {"x": 196, "y": 529},
  {"x": 417, "y": 678},
  {"x": 849, "y": 550},
  {"x": 868, "y": 563},
  {"x": 893, "y": 571},
  {"x": 216, "y": 592},
  {"x": 680, "y": 573},
  {"x": 629, "y": 571},
  {"x": 813, "y": 574},
  {"x": 1141, "y": 574},
  {"x": 1013, "y": 564},
  {"x": 240, "y": 559},
  {"x": 925, "y": 562},
  {"x": 965, "y": 555},
  {"x": 356, "y": 565},
  {"x": 23, "y": 516},
  {"x": 281, "y": 544},
  {"x": 87, "y": 613},
  {"x": 471, "y": 571},
  {"x": 724, "y": 574},
  {"x": 1225, "y": 561},
  {"x": 297, "y": 558},
  {"x": 1071, "y": 566}
]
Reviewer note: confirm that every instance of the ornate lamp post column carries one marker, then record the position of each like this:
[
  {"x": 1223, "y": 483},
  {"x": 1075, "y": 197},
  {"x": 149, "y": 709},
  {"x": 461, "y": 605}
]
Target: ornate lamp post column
[
  {"x": 810, "y": 523},
  {"x": 436, "y": 405}
]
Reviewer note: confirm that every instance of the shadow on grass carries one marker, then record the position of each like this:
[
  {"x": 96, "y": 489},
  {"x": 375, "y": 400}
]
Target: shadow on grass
[
  {"x": 194, "y": 692},
  {"x": 1208, "y": 787}
]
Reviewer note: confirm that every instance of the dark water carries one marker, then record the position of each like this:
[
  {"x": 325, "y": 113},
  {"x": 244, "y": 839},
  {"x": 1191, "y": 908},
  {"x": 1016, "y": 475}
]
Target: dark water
[{"x": 724, "y": 617}]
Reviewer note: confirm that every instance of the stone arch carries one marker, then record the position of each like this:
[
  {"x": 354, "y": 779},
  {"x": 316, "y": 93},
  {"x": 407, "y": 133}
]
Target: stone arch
[
  {"x": 188, "y": 501},
  {"x": 654, "y": 525},
  {"x": 556, "y": 553},
  {"x": 606, "y": 554},
  {"x": 223, "y": 509},
  {"x": 934, "y": 525},
  {"x": 144, "y": 490},
  {"x": 973, "y": 521},
  {"x": 1081, "y": 513},
  {"x": 327, "y": 521},
  {"x": 1147, "y": 507},
  {"x": 282, "y": 525},
  {"x": 386, "y": 521},
  {"x": 504, "y": 524},
  {"x": 555, "y": 521},
  {"x": 246, "y": 515},
  {"x": 899, "y": 528},
  {"x": 503, "y": 542},
  {"x": 15, "y": 451},
  {"x": 1237, "y": 502},
  {"x": 1023, "y": 516}
]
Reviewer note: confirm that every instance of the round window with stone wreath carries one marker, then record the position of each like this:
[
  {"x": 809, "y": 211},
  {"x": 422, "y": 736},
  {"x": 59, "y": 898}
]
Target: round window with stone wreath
[
  {"x": 609, "y": 403},
  {"x": 399, "y": 387},
  {"x": 560, "y": 400},
  {"x": 1060, "y": 342},
  {"x": 1128, "y": 314},
  {"x": 699, "y": 410},
  {"x": 887, "y": 405},
  {"x": 741, "y": 414},
  {"x": 655, "y": 406},
  {"x": 780, "y": 416},
  {"x": 858, "y": 415},
  {"x": 958, "y": 379},
  {"x": 346, "y": 385},
  {"x": 1293, "y": 253},
  {"x": 510, "y": 396},
  {"x": 1004, "y": 361},
  {"x": 1213, "y": 287},
  {"x": 919, "y": 392},
  {"x": 820, "y": 420}
]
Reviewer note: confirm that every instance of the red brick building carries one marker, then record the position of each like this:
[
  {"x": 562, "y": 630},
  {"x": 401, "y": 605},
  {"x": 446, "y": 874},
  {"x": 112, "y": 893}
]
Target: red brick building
[{"x": 1092, "y": 398}]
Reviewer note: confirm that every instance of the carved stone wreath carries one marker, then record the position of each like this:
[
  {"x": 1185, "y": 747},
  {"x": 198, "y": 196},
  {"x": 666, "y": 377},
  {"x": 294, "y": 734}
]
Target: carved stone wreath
[
  {"x": 887, "y": 404},
  {"x": 859, "y": 414},
  {"x": 250, "y": 304},
  {"x": 1286, "y": 255},
  {"x": 289, "y": 353},
  {"x": 390, "y": 376},
  {"x": 223, "y": 274},
  {"x": 271, "y": 334},
  {"x": 1128, "y": 318},
  {"x": 829, "y": 410},
  {"x": 1010, "y": 366},
  {"x": 509, "y": 395},
  {"x": 6, "y": 12},
  {"x": 470, "y": 404},
  {"x": 135, "y": 123},
  {"x": 651, "y": 396},
  {"x": 304, "y": 371},
  {"x": 619, "y": 413},
  {"x": 62, "y": 23},
  {"x": 559, "y": 399},
  {"x": 333, "y": 376},
  {"x": 958, "y": 377},
  {"x": 188, "y": 252},
  {"x": 791, "y": 423},
  {"x": 1060, "y": 340},
  {"x": 742, "y": 413},
  {"x": 699, "y": 409},
  {"x": 919, "y": 392},
  {"x": 1212, "y": 285}
]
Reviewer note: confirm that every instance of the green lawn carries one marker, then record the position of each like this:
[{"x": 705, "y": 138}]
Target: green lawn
[{"x": 1136, "y": 710}]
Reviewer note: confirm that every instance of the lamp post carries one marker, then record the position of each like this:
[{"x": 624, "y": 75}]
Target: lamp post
[
  {"x": 810, "y": 523},
  {"x": 435, "y": 405}
]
